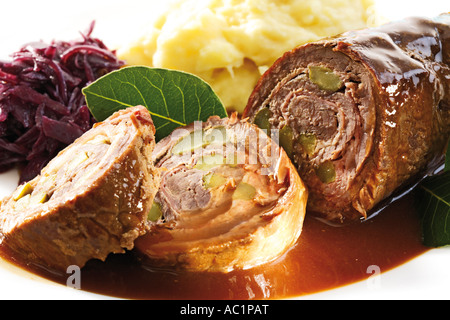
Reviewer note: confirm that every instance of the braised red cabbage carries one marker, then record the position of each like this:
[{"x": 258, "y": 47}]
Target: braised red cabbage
[{"x": 42, "y": 108}]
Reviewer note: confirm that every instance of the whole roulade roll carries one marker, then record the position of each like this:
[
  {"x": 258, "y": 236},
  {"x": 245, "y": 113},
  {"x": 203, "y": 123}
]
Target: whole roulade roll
[{"x": 362, "y": 114}]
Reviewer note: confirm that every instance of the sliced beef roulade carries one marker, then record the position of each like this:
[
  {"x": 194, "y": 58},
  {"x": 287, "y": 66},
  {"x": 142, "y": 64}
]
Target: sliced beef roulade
[
  {"x": 229, "y": 198},
  {"x": 362, "y": 114},
  {"x": 91, "y": 200}
]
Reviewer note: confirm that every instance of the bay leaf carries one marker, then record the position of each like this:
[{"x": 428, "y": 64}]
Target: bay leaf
[{"x": 173, "y": 98}]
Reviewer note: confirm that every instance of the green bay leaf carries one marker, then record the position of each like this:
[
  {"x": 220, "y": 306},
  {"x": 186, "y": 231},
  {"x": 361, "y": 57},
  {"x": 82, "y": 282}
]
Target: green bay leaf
[
  {"x": 173, "y": 98},
  {"x": 434, "y": 207}
]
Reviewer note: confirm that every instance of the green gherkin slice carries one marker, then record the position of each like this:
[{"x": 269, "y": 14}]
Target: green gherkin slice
[
  {"x": 22, "y": 203},
  {"x": 39, "y": 198},
  {"x": 287, "y": 140},
  {"x": 244, "y": 191},
  {"x": 155, "y": 212},
  {"x": 22, "y": 191},
  {"x": 209, "y": 162},
  {"x": 213, "y": 180},
  {"x": 77, "y": 160},
  {"x": 326, "y": 172},
  {"x": 189, "y": 143},
  {"x": 262, "y": 119},
  {"x": 325, "y": 78},
  {"x": 308, "y": 143},
  {"x": 199, "y": 139}
]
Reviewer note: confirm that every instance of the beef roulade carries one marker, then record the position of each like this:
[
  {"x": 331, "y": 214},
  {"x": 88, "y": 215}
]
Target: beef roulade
[
  {"x": 362, "y": 114},
  {"x": 229, "y": 199},
  {"x": 91, "y": 200}
]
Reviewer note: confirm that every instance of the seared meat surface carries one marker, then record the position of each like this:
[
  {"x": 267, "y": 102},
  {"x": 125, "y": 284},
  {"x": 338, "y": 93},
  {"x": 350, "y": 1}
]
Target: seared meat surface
[
  {"x": 363, "y": 114},
  {"x": 89, "y": 201}
]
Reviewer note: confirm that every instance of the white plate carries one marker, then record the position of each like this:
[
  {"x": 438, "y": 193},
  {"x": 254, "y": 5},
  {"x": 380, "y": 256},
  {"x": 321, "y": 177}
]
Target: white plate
[{"x": 425, "y": 277}]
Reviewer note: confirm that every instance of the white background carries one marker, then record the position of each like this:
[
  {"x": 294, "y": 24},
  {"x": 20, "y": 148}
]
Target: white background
[{"x": 426, "y": 277}]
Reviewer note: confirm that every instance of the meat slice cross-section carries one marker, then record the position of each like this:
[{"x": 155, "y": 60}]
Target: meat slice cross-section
[
  {"x": 89, "y": 201},
  {"x": 229, "y": 199}
]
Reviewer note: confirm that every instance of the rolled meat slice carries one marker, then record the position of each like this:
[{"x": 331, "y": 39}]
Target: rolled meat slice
[
  {"x": 229, "y": 199},
  {"x": 91, "y": 200},
  {"x": 362, "y": 115}
]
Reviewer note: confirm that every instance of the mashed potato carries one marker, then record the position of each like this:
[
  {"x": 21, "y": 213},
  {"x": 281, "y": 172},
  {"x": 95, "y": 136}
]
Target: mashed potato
[{"x": 229, "y": 43}]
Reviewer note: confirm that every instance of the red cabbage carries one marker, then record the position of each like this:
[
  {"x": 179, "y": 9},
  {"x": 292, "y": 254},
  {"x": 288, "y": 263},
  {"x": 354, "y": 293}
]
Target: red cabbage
[{"x": 42, "y": 108}]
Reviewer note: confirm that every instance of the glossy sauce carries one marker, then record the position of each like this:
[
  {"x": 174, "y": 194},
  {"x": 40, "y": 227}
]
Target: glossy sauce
[{"x": 325, "y": 257}]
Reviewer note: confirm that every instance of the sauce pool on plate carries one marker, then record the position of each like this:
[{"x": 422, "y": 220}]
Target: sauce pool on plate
[{"x": 324, "y": 258}]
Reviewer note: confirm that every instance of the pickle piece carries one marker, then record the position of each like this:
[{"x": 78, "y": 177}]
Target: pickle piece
[
  {"x": 325, "y": 78},
  {"x": 308, "y": 143},
  {"x": 39, "y": 198},
  {"x": 99, "y": 139},
  {"x": 213, "y": 180},
  {"x": 326, "y": 172},
  {"x": 22, "y": 203},
  {"x": 287, "y": 140},
  {"x": 209, "y": 162},
  {"x": 79, "y": 159},
  {"x": 199, "y": 139},
  {"x": 216, "y": 135},
  {"x": 262, "y": 119},
  {"x": 235, "y": 159},
  {"x": 24, "y": 196},
  {"x": 155, "y": 212},
  {"x": 244, "y": 191},
  {"x": 22, "y": 191},
  {"x": 189, "y": 143}
]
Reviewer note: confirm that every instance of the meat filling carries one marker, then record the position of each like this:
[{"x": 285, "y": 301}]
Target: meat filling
[
  {"x": 324, "y": 106},
  {"x": 222, "y": 206}
]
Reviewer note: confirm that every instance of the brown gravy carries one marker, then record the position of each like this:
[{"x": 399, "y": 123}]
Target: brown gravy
[{"x": 325, "y": 258}]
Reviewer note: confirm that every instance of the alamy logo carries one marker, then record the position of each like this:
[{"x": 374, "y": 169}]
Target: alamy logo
[
  {"x": 374, "y": 281},
  {"x": 74, "y": 280}
]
